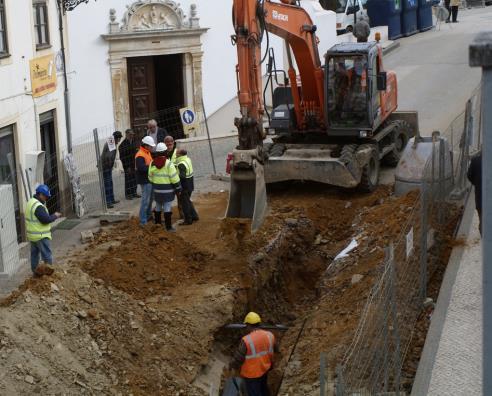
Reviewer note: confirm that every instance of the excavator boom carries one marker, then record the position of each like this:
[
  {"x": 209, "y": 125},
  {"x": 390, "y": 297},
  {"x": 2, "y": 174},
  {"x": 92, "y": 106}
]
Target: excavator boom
[{"x": 252, "y": 19}]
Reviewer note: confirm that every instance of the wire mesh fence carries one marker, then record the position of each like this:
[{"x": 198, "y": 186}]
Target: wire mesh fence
[{"x": 373, "y": 362}]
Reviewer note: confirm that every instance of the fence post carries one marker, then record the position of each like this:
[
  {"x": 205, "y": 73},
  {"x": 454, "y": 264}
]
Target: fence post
[
  {"x": 100, "y": 171},
  {"x": 390, "y": 254},
  {"x": 208, "y": 137},
  {"x": 424, "y": 203},
  {"x": 339, "y": 388},
  {"x": 481, "y": 56},
  {"x": 322, "y": 370}
]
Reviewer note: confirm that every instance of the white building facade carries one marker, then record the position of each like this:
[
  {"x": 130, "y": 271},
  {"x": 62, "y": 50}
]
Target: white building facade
[
  {"x": 131, "y": 59},
  {"x": 32, "y": 109}
]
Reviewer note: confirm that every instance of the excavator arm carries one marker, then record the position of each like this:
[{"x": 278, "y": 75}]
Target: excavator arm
[{"x": 252, "y": 20}]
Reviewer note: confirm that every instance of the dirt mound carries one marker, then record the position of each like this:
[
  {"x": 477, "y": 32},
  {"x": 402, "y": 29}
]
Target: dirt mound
[{"x": 144, "y": 261}]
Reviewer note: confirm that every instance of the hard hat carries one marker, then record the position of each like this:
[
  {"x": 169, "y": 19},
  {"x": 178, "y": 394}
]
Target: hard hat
[
  {"x": 43, "y": 189},
  {"x": 148, "y": 141},
  {"x": 252, "y": 318},
  {"x": 160, "y": 148}
]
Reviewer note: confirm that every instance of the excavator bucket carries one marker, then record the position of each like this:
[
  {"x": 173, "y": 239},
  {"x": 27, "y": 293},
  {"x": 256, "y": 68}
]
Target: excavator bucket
[{"x": 247, "y": 195}]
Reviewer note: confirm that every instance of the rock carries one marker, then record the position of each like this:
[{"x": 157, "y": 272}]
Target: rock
[
  {"x": 258, "y": 257},
  {"x": 54, "y": 288},
  {"x": 318, "y": 239},
  {"x": 356, "y": 278},
  {"x": 428, "y": 303},
  {"x": 291, "y": 222},
  {"x": 99, "y": 281},
  {"x": 84, "y": 297},
  {"x": 86, "y": 236},
  {"x": 82, "y": 314},
  {"x": 29, "y": 379},
  {"x": 93, "y": 314},
  {"x": 133, "y": 325},
  {"x": 348, "y": 205}
]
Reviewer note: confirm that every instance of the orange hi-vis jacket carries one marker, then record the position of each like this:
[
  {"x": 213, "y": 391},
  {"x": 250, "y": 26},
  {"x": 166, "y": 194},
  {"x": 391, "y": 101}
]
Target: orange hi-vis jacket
[
  {"x": 142, "y": 152},
  {"x": 259, "y": 356}
]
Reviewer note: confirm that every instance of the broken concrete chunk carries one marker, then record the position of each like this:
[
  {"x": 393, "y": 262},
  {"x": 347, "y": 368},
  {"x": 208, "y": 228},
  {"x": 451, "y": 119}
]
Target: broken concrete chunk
[
  {"x": 54, "y": 288},
  {"x": 29, "y": 379},
  {"x": 82, "y": 314},
  {"x": 86, "y": 236}
]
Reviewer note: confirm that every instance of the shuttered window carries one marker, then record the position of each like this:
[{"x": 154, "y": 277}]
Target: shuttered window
[
  {"x": 4, "y": 48},
  {"x": 41, "y": 28}
]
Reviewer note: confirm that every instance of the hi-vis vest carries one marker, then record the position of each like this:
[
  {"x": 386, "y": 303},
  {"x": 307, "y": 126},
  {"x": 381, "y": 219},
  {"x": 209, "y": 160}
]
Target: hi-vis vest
[
  {"x": 143, "y": 152},
  {"x": 259, "y": 356},
  {"x": 165, "y": 181},
  {"x": 173, "y": 157},
  {"x": 35, "y": 230},
  {"x": 186, "y": 161}
]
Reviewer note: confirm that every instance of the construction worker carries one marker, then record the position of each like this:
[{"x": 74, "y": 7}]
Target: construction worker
[
  {"x": 38, "y": 230},
  {"x": 254, "y": 357},
  {"x": 143, "y": 158},
  {"x": 185, "y": 169},
  {"x": 166, "y": 184},
  {"x": 170, "y": 148}
]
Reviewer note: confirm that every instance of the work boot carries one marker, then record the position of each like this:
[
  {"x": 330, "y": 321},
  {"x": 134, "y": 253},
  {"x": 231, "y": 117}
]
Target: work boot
[
  {"x": 49, "y": 269},
  {"x": 158, "y": 217},
  {"x": 169, "y": 222}
]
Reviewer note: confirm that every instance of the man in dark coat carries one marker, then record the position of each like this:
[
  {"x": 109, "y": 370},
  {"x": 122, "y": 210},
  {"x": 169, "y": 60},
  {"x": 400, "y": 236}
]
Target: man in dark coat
[
  {"x": 108, "y": 158},
  {"x": 127, "y": 150},
  {"x": 475, "y": 177},
  {"x": 156, "y": 133}
]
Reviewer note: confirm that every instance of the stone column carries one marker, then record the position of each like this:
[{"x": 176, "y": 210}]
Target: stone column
[
  {"x": 119, "y": 82},
  {"x": 197, "y": 83}
]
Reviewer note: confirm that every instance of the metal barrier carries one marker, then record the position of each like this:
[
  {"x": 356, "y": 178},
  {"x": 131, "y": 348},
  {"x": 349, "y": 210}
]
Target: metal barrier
[{"x": 373, "y": 362}]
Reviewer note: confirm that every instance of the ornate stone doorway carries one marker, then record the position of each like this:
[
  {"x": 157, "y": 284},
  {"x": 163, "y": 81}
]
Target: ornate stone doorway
[{"x": 152, "y": 30}]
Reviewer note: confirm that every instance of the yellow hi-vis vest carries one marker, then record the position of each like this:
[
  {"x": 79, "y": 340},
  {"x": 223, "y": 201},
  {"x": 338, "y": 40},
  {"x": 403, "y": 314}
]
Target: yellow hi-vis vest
[
  {"x": 35, "y": 230},
  {"x": 186, "y": 161}
]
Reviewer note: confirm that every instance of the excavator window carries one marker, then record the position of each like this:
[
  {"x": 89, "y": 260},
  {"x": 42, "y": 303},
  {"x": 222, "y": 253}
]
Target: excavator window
[{"x": 347, "y": 91}]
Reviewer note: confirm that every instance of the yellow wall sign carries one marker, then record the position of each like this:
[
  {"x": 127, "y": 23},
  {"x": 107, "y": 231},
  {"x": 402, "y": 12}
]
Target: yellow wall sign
[{"x": 43, "y": 75}]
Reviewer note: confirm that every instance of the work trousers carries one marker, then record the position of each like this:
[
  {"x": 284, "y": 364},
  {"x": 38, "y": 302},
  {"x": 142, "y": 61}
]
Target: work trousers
[
  {"x": 130, "y": 183},
  {"x": 257, "y": 386},
  {"x": 454, "y": 13},
  {"x": 189, "y": 212},
  {"x": 108, "y": 185},
  {"x": 165, "y": 207},
  {"x": 41, "y": 248},
  {"x": 145, "y": 203}
]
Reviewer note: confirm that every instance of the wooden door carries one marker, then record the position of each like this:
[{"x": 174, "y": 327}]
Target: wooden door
[{"x": 141, "y": 89}]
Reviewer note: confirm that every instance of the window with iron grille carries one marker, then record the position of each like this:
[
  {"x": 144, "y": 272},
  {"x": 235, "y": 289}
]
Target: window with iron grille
[
  {"x": 41, "y": 29},
  {"x": 4, "y": 49}
]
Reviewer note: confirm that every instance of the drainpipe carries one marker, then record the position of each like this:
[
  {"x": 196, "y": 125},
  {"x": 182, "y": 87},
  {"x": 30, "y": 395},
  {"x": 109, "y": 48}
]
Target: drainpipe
[{"x": 65, "y": 79}]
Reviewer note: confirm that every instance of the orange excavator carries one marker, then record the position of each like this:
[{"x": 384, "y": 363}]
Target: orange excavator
[{"x": 331, "y": 123}]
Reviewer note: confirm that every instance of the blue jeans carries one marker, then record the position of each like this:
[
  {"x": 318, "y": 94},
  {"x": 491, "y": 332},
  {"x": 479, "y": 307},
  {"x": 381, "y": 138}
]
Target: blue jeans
[
  {"x": 108, "y": 185},
  {"x": 40, "y": 247},
  {"x": 165, "y": 207},
  {"x": 145, "y": 203}
]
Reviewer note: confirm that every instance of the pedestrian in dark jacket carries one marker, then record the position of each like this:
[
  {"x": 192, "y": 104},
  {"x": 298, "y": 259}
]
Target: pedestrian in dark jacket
[
  {"x": 108, "y": 158},
  {"x": 127, "y": 150},
  {"x": 475, "y": 177},
  {"x": 156, "y": 133},
  {"x": 185, "y": 169}
]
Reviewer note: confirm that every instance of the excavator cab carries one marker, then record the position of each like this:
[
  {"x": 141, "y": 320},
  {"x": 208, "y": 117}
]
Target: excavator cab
[{"x": 355, "y": 86}]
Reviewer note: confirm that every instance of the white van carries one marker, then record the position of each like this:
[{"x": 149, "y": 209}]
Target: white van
[{"x": 345, "y": 10}]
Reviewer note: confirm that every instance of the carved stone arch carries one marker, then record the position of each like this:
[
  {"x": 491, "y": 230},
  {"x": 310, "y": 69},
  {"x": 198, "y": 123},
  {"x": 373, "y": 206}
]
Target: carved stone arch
[
  {"x": 153, "y": 28},
  {"x": 153, "y": 15}
]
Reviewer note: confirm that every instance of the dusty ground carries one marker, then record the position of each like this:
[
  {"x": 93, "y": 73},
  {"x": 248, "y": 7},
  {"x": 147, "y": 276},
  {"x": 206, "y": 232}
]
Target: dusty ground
[{"x": 141, "y": 311}]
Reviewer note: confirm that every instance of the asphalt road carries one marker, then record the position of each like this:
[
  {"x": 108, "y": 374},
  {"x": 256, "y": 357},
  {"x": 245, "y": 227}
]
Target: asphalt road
[{"x": 432, "y": 68}]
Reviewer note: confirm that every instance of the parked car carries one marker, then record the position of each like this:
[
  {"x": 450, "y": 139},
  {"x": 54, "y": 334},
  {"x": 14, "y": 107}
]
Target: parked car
[{"x": 347, "y": 11}]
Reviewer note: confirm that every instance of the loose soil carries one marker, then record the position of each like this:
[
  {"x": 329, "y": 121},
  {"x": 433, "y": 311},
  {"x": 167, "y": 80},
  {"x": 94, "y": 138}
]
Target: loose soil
[{"x": 141, "y": 311}]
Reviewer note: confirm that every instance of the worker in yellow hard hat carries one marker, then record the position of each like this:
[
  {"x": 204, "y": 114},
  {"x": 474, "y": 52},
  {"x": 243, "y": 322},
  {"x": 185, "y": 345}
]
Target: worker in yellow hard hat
[{"x": 254, "y": 356}]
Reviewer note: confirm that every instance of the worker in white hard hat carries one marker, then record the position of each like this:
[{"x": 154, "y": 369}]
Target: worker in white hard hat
[
  {"x": 143, "y": 158},
  {"x": 165, "y": 183},
  {"x": 254, "y": 356}
]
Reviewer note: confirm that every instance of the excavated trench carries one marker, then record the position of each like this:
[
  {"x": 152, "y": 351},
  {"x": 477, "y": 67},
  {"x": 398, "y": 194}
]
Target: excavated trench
[{"x": 143, "y": 311}]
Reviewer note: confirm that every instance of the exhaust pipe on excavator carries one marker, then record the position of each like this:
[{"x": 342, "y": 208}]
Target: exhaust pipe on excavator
[{"x": 247, "y": 194}]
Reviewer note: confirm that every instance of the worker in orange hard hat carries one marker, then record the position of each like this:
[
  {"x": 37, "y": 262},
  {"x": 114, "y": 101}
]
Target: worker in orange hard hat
[{"x": 254, "y": 356}]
